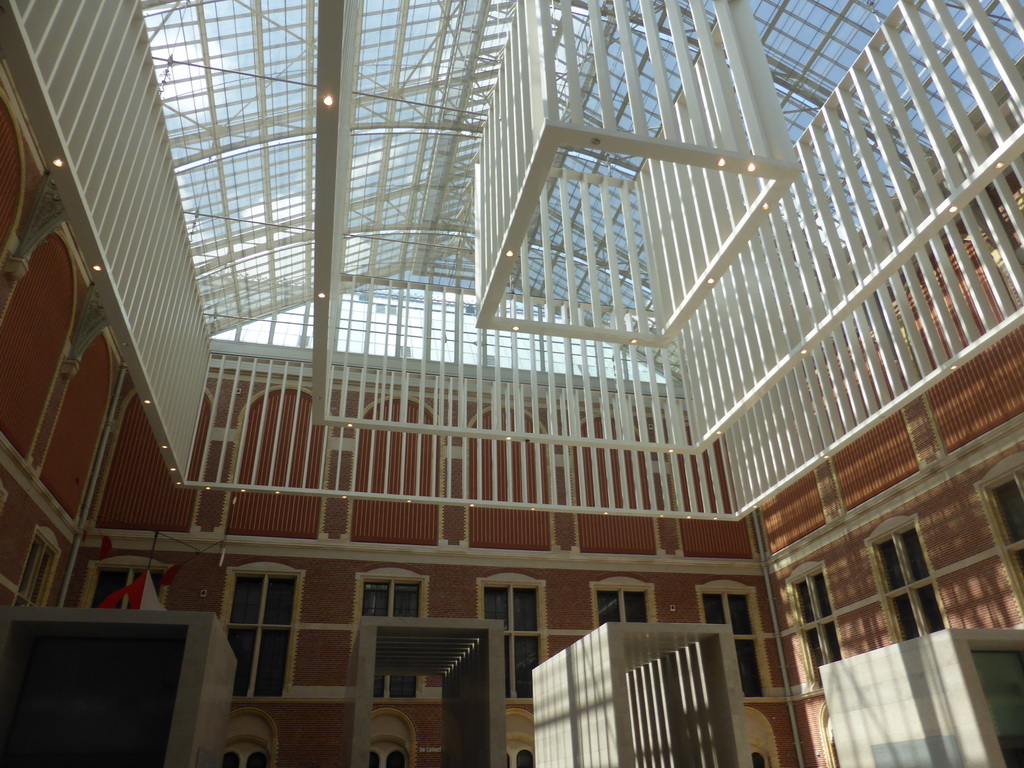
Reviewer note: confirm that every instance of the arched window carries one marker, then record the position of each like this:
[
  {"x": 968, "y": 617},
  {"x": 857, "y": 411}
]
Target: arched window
[
  {"x": 395, "y": 760},
  {"x": 230, "y": 760},
  {"x": 256, "y": 760},
  {"x": 759, "y": 761},
  {"x": 524, "y": 759},
  {"x": 374, "y": 760}
]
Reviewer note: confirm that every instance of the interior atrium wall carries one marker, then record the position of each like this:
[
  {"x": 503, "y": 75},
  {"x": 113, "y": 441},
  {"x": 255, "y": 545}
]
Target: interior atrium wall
[{"x": 942, "y": 471}]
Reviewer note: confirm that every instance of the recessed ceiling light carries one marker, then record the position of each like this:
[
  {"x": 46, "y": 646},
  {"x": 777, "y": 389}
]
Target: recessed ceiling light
[
  {"x": 178, "y": 483},
  {"x": 472, "y": 505},
  {"x": 953, "y": 209},
  {"x": 241, "y": 490},
  {"x": 276, "y": 493},
  {"x": 408, "y": 501},
  {"x": 718, "y": 432},
  {"x": 671, "y": 450},
  {"x": 174, "y": 469},
  {"x": 148, "y": 402},
  {"x": 515, "y": 327},
  {"x": 634, "y": 341},
  {"x": 328, "y": 100},
  {"x": 1000, "y": 165},
  {"x": 766, "y": 207},
  {"x": 508, "y": 438},
  {"x": 58, "y": 162},
  {"x": 952, "y": 366},
  {"x": 349, "y": 426},
  {"x": 164, "y": 447},
  {"x": 97, "y": 268},
  {"x": 711, "y": 281},
  {"x": 510, "y": 254},
  {"x": 207, "y": 487},
  {"x": 321, "y": 295},
  {"x": 752, "y": 167},
  {"x": 803, "y": 351},
  {"x": 721, "y": 162}
]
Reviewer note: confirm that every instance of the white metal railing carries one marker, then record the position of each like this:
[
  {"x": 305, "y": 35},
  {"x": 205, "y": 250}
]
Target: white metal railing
[{"x": 504, "y": 432}]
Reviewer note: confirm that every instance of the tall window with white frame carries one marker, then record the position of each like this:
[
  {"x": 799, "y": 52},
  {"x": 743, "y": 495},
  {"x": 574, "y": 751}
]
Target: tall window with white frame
[
  {"x": 1009, "y": 504},
  {"x": 392, "y": 598},
  {"x": 818, "y": 626},
  {"x": 516, "y": 608},
  {"x": 909, "y": 586},
  {"x": 36, "y": 576},
  {"x": 259, "y": 631},
  {"x": 621, "y": 605},
  {"x": 734, "y": 609}
]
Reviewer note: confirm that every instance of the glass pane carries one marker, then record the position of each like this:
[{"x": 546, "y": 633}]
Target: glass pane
[
  {"x": 378, "y": 686},
  {"x": 524, "y": 759},
  {"x": 230, "y": 760},
  {"x": 526, "y": 660},
  {"x": 930, "y": 608},
  {"x": 271, "y": 666},
  {"x": 832, "y": 649},
  {"x": 607, "y": 607},
  {"x": 746, "y": 655},
  {"x": 256, "y": 760},
  {"x": 821, "y": 592},
  {"x": 915, "y": 555},
  {"x": 814, "y": 649},
  {"x": 375, "y": 599},
  {"x": 245, "y": 608},
  {"x": 374, "y": 759},
  {"x": 403, "y": 686},
  {"x": 407, "y": 600},
  {"x": 242, "y": 642},
  {"x": 758, "y": 760},
  {"x": 524, "y": 610},
  {"x": 714, "y": 609},
  {"x": 740, "y": 615},
  {"x": 395, "y": 760},
  {"x": 108, "y": 582},
  {"x": 635, "y": 604},
  {"x": 279, "y": 601},
  {"x": 803, "y": 592},
  {"x": 891, "y": 564},
  {"x": 1011, "y": 504},
  {"x": 905, "y": 616},
  {"x": 496, "y": 604}
]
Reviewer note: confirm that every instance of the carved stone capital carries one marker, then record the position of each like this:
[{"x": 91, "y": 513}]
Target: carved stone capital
[
  {"x": 91, "y": 321},
  {"x": 48, "y": 213},
  {"x": 15, "y": 269}
]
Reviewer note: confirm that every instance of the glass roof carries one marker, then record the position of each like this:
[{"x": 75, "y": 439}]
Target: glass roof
[{"x": 238, "y": 79}]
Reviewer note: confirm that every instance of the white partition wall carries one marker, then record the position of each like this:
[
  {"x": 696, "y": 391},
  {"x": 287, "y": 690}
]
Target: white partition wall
[
  {"x": 652, "y": 695},
  {"x": 952, "y": 699}
]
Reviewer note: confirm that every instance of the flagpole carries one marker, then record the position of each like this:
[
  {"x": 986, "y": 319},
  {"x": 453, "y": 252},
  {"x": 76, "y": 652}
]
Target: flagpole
[{"x": 152, "y": 549}]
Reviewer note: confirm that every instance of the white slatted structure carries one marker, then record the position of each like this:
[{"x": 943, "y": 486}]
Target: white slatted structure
[
  {"x": 566, "y": 407},
  {"x": 897, "y": 257},
  {"x": 612, "y": 84},
  {"x": 894, "y": 257},
  {"x": 84, "y": 73}
]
